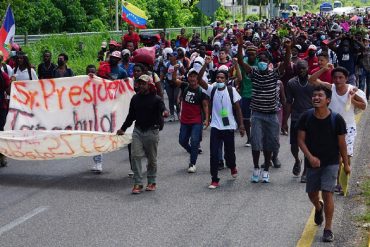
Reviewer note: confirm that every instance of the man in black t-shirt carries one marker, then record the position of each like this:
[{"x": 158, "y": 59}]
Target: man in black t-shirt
[
  {"x": 321, "y": 137},
  {"x": 46, "y": 69}
]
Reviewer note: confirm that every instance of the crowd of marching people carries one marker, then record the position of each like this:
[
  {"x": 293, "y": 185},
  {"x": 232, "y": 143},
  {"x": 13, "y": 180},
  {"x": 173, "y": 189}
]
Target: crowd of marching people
[{"x": 251, "y": 78}]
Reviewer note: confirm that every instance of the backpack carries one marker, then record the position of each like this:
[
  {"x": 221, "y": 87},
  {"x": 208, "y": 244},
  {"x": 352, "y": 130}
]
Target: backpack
[{"x": 29, "y": 72}]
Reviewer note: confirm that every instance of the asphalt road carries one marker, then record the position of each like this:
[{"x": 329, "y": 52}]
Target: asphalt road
[{"x": 61, "y": 203}]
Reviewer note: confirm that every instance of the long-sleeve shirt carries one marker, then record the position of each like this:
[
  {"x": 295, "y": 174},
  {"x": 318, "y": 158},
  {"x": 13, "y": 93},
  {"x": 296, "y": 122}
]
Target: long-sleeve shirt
[{"x": 146, "y": 110}]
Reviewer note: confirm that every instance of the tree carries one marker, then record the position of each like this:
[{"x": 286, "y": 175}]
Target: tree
[{"x": 75, "y": 15}]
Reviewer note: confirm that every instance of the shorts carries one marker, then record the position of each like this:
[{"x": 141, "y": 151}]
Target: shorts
[
  {"x": 350, "y": 140},
  {"x": 322, "y": 178},
  {"x": 265, "y": 132},
  {"x": 246, "y": 108},
  {"x": 293, "y": 134}
]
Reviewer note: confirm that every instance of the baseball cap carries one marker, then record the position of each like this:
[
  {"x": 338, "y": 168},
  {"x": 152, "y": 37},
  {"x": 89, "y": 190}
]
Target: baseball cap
[
  {"x": 116, "y": 54},
  {"x": 217, "y": 43},
  {"x": 192, "y": 70},
  {"x": 325, "y": 42},
  {"x": 125, "y": 52},
  {"x": 174, "y": 53},
  {"x": 312, "y": 47},
  {"x": 113, "y": 42},
  {"x": 145, "y": 78},
  {"x": 103, "y": 44}
]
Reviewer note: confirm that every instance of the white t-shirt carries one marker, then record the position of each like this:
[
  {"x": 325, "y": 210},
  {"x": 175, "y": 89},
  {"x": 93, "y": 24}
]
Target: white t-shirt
[
  {"x": 10, "y": 70},
  {"x": 339, "y": 103},
  {"x": 23, "y": 74},
  {"x": 221, "y": 100}
]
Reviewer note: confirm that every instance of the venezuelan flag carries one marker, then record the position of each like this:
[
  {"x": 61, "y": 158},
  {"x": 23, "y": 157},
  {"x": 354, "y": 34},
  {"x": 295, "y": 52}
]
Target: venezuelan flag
[
  {"x": 133, "y": 15},
  {"x": 7, "y": 32}
]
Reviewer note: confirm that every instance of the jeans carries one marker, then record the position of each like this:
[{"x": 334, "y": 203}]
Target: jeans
[
  {"x": 144, "y": 144},
  {"x": 172, "y": 93},
  {"x": 227, "y": 137},
  {"x": 365, "y": 80},
  {"x": 194, "y": 133}
]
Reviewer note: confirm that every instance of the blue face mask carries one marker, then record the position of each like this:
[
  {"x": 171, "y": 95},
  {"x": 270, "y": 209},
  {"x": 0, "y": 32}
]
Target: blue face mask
[
  {"x": 262, "y": 66},
  {"x": 322, "y": 37},
  {"x": 220, "y": 85}
]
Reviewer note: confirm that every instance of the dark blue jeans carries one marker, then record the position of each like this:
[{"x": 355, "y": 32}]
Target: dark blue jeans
[
  {"x": 217, "y": 137},
  {"x": 192, "y": 132}
]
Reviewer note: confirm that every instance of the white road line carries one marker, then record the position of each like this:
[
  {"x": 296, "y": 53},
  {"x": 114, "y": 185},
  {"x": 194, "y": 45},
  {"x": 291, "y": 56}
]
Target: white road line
[{"x": 22, "y": 219}]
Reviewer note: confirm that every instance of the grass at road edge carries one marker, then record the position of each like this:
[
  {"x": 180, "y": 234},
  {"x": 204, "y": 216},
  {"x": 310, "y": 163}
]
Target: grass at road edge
[{"x": 365, "y": 217}]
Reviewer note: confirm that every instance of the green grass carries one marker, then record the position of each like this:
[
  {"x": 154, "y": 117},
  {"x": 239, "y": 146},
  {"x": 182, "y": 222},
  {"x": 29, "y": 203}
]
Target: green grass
[
  {"x": 79, "y": 57},
  {"x": 366, "y": 193}
]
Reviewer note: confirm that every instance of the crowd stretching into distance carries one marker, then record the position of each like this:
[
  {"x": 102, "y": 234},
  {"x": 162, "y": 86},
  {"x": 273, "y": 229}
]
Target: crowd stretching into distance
[{"x": 251, "y": 78}]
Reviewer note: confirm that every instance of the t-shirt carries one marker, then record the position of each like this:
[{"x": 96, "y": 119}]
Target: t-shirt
[
  {"x": 134, "y": 38},
  {"x": 117, "y": 72},
  {"x": 129, "y": 70},
  {"x": 338, "y": 104},
  {"x": 264, "y": 91},
  {"x": 171, "y": 69},
  {"x": 299, "y": 95},
  {"x": 347, "y": 60},
  {"x": 191, "y": 104},
  {"x": 326, "y": 76},
  {"x": 313, "y": 63},
  {"x": 321, "y": 138},
  {"x": 246, "y": 84},
  {"x": 24, "y": 75},
  {"x": 221, "y": 102}
]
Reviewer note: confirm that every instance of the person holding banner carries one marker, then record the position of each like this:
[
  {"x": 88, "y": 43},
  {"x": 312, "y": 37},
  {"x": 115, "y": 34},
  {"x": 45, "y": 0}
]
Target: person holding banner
[
  {"x": 4, "y": 92},
  {"x": 146, "y": 109},
  {"x": 23, "y": 69}
]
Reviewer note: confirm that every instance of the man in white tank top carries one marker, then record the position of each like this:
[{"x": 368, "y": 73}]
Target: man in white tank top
[{"x": 346, "y": 99}]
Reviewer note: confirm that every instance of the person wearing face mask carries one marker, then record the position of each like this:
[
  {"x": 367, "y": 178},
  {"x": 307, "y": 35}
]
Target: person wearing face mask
[
  {"x": 347, "y": 54},
  {"x": 62, "y": 70},
  {"x": 312, "y": 60},
  {"x": 224, "y": 101},
  {"x": 12, "y": 59},
  {"x": 116, "y": 71},
  {"x": 265, "y": 123},
  {"x": 146, "y": 109}
]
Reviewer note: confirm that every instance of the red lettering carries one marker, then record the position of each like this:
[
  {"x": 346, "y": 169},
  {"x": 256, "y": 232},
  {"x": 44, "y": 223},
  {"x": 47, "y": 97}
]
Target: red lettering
[
  {"x": 87, "y": 92},
  {"x": 75, "y": 91},
  {"x": 19, "y": 85},
  {"x": 60, "y": 94},
  {"x": 44, "y": 93}
]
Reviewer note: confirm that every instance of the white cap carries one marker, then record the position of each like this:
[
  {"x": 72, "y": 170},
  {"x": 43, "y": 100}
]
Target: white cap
[
  {"x": 223, "y": 68},
  {"x": 125, "y": 52},
  {"x": 312, "y": 47},
  {"x": 166, "y": 51},
  {"x": 217, "y": 43},
  {"x": 116, "y": 54}
]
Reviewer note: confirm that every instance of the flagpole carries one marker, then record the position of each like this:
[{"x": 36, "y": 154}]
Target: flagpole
[{"x": 117, "y": 20}]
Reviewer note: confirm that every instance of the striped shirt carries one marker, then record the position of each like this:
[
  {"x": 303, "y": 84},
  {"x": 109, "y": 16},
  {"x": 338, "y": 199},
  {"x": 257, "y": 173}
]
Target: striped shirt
[{"x": 264, "y": 91}]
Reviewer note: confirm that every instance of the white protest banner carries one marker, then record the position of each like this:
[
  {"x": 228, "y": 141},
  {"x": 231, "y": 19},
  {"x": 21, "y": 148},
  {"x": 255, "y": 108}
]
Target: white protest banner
[{"x": 68, "y": 106}]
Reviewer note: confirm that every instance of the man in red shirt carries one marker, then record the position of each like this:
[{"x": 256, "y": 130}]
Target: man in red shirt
[
  {"x": 131, "y": 36},
  {"x": 312, "y": 60},
  {"x": 182, "y": 39},
  {"x": 4, "y": 94},
  {"x": 323, "y": 61}
]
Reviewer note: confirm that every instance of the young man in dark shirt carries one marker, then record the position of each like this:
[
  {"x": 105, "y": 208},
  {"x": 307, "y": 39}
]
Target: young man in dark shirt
[
  {"x": 321, "y": 137},
  {"x": 45, "y": 70},
  {"x": 146, "y": 109}
]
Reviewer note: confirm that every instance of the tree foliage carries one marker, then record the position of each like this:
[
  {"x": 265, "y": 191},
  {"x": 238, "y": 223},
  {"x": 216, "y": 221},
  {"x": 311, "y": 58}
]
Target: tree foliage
[{"x": 55, "y": 16}]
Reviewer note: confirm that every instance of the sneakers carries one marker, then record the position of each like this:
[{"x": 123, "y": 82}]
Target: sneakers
[
  {"x": 247, "y": 144},
  {"x": 297, "y": 168},
  {"x": 171, "y": 118},
  {"x": 214, "y": 185},
  {"x": 303, "y": 179},
  {"x": 221, "y": 165},
  {"x": 338, "y": 189},
  {"x": 137, "y": 189},
  {"x": 97, "y": 168},
  {"x": 256, "y": 175},
  {"x": 130, "y": 174},
  {"x": 151, "y": 187},
  {"x": 265, "y": 177},
  {"x": 192, "y": 168},
  {"x": 319, "y": 214},
  {"x": 276, "y": 163},
  {"x": 234, "y": 172},
  {"x": 328, "y": 236}
]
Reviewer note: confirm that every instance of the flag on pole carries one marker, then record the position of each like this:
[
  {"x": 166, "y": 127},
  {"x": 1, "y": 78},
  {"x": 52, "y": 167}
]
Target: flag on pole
[
  {"x": 7, "y": 32},
  {"x": 133, "y": 15}
]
